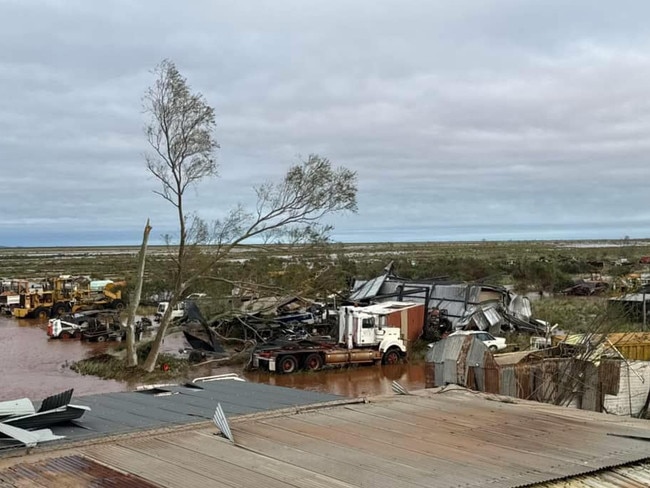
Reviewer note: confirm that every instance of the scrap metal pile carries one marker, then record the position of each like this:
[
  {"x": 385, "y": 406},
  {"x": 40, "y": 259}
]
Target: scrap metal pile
[
  {"x": 449, "y": 306},
  {"x": 453, "y": 305}
]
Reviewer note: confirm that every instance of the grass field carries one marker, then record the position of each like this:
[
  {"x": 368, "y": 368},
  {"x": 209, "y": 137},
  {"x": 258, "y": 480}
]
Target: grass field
[{"x": 529, "y": 266}]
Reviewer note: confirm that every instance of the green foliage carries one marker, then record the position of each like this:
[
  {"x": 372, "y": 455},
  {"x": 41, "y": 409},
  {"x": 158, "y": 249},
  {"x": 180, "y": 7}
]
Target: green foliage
[{"x": 112, "y": 367}]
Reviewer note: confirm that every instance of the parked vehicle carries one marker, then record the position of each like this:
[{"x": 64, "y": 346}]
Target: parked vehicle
[
  {"x": 363, "y": 338},
  {"x": 493, "y": 343},
  {"x": 105, "y": 326},
  {"x": 62, "y": 329},
  {"x": 73, "y": 326},
  {"x": 177, "y": 313},
  {"x": 9, "y": 301}
]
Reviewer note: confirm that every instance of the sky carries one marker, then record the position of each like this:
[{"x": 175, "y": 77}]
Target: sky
[{"x": 464, "y": 120}]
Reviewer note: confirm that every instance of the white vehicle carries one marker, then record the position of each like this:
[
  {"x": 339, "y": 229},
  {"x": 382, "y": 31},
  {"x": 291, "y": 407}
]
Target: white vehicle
[
  {"x": 493, "y": 343},
  {"x": 196, "y": 296},
  {"x": 61, "y": 329},
  {"x": 177, "y": 313},
  {"x": 364, "y": 337}
]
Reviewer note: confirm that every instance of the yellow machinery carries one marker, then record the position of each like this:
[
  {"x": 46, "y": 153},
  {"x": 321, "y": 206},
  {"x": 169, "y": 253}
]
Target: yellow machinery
[
  {"x": 109, "y": 297},
  {"x": 66, "y": 296},
  {"x": 44, "y": 304}
]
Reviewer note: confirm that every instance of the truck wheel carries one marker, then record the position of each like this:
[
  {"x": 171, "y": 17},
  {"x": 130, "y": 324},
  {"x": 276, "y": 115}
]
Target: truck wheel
[
  {"x": 101, "y": 339},
  {"x": 118, "y": 305},
  {"x": 288, "y": 364},
  {"x": 493, "y": 349},
  {"x": 42, "y": 313},
  {"x": 59, "y": 309},
  {"x": 392, "y": 356},
  {"x": 65, "y": 335},
  {"x": 313, "y": 362}
]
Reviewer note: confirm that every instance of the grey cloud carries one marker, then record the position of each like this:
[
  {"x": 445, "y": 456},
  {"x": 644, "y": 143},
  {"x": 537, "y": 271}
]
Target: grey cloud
[{"x": 522, "y": 116}]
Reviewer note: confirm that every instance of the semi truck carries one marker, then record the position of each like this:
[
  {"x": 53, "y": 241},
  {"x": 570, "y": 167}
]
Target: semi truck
[{"x": 366, "y": 335}]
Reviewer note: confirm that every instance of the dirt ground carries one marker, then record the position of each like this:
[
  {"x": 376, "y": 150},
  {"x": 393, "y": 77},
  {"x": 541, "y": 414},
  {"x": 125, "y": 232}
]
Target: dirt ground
[{"x": 34, "y": 366}]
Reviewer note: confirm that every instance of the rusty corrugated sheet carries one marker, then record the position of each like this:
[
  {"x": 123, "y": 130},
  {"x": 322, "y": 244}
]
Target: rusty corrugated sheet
[
  {"x": 492, "y": 376},
  {"x": 609, "y": 374},
  {"x": 68, "y": 471},
  {"x": 430, "y": 375},
  {"x": 633, "y": 476}
]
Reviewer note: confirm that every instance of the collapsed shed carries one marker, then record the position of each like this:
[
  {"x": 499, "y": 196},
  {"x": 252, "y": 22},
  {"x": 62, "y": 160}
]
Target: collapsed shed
[{"x": 464, "y": 305}]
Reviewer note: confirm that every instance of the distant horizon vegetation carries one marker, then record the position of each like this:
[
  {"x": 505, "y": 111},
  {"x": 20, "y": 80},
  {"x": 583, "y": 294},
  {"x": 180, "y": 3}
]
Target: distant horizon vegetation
[{"x": 618, "y": 241}]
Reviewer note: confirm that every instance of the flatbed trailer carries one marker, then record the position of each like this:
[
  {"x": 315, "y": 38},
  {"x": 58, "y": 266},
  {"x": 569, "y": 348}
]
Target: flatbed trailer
[{"x": 312, "y": 357}]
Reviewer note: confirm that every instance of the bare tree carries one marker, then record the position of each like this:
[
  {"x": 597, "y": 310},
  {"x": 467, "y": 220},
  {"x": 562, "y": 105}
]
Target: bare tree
[{"x": 181, "y": 133}]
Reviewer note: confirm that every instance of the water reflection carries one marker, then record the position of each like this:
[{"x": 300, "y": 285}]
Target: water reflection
[{"x": 351, "y": 382}]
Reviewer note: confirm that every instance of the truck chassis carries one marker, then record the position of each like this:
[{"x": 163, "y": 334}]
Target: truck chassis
[{"x": 312, "y": 356}]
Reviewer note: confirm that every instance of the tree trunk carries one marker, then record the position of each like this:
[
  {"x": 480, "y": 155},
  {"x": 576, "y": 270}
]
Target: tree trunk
[
  {"x": 131, "y": 353},
  {"x": 150, "y": 362}
]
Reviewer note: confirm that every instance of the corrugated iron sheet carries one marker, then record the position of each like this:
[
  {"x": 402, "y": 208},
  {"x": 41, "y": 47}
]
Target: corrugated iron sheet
[
  {"x": 453, "y": 439},
  {"x": 56, "y": 401},
  {"x": 633, "y": 476},
  {"x": 447, "y": 440},
  {"x": 455, "y": 357},
  {"x": 460, "y": 300},
  {"x": 464, "y": 361},
  {"x": 368, "y": 289},
  {"x": 68, "y": 471}
]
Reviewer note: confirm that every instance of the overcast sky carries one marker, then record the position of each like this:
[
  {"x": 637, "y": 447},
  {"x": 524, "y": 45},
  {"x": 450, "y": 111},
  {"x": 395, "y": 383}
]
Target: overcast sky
[{"x": 465, "y": 120}]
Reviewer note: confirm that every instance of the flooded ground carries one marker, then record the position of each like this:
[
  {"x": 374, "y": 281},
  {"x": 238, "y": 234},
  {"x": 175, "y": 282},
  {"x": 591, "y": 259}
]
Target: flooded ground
[{"x": 34, "y": 366}]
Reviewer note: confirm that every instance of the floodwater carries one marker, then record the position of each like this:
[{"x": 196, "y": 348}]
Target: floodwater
[
  {"x": 34, "y": 366},
  {"x": 357, "y": 381}
]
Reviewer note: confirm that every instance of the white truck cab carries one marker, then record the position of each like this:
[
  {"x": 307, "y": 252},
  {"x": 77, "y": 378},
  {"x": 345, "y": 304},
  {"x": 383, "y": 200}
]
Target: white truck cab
[{"x": 358, "y": 328}]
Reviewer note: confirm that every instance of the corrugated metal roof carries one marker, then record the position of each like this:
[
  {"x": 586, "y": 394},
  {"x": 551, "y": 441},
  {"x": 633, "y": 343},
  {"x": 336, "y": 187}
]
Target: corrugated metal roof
[
  {"x": 367, "y": 289},
  {"x": 451, "y": 439},
  {"x": 68, "y": 471},
  {"x": 118, "y": 413},
  {"x": 516, "y": 357},
  {"x": 442, "y": 438}
]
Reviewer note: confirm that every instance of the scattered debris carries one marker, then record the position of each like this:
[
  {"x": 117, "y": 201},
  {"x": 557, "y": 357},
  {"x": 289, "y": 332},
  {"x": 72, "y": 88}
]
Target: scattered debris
[
  {"x": 399, "y": 389},
  {"x": 20, "y": 421},
  {"x": 221, "y": 422}
]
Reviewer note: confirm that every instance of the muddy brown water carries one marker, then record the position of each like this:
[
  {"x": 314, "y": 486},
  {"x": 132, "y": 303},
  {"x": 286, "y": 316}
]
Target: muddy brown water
[{"x": 34, "y": 366}]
